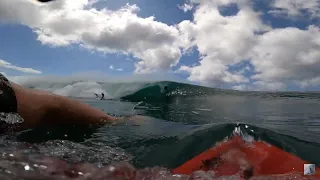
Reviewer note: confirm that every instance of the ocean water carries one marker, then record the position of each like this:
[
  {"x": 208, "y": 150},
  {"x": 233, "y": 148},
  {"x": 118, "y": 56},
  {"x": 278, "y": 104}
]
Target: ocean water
[{"x": 179, "y": 123}]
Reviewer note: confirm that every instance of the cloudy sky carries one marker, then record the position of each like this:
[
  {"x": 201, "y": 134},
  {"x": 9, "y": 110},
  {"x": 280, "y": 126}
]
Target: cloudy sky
[{"x": 239, "y": 44}]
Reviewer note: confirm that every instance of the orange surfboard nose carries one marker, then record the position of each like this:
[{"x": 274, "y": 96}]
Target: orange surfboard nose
[{"x": 245, "y": 159}]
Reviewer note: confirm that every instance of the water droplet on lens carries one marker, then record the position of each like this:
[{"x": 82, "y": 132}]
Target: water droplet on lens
[
  {"x": 111, "y": 168},
  {"x": 27, "y": 167}
]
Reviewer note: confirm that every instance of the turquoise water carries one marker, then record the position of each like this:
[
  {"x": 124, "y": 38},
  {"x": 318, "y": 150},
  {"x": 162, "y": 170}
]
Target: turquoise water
[{"x": 180, "y": 122}]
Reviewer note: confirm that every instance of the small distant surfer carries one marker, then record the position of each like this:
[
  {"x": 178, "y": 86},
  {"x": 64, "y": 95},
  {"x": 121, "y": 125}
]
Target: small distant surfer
[
  {"x": 97, "y": 96},
  {"x": 166, "y": 90}
]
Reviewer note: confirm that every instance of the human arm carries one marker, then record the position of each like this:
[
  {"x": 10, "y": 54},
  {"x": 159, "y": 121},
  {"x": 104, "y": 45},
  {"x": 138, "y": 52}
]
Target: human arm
[{"x": 39, "y": 107}]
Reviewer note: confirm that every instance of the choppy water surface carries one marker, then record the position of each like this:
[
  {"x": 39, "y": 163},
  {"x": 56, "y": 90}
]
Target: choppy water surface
[{"x": 181, "y": 122}]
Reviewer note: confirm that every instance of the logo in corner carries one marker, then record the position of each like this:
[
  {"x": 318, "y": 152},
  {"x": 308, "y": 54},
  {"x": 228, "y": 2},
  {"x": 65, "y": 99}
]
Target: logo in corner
[{"x": 309, "y": 169}]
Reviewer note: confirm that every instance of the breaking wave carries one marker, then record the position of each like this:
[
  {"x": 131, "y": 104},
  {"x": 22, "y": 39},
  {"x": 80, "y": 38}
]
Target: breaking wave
[
  {"x": 145, "y": 91},
  {"x": 132, "y": 91}
]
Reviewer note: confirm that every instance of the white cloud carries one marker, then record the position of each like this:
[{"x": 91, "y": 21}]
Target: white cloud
[
  {"x": 8, "y": 65},
  {"x": 241, "y": 87},
  {"x": 67, "y": 22},
  {"x": 310, "y": 82},
  {"x": 261, "y": 86},
  {"x": 288, "y": 55},
  {"x": 267, "y": 86},
  {"x": 186, "y": 7},
  {"x": 278, "y": 56},
  {"x": 294, "y": 8},
  {"x": 213, "y": 73},
  {"x": 221, "y": 3},
  {"x": 220, "y": 40},
  {"x": 117, "y": 69},
  {"x": 285, "y": 56}
]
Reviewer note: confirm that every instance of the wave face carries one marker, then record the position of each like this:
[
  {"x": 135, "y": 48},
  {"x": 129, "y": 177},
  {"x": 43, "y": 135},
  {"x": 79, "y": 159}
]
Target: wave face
[
  {"x": 131, "y": 91},
  {"x": 87, "y": 89},
  {"x": 146, "y": 91}
]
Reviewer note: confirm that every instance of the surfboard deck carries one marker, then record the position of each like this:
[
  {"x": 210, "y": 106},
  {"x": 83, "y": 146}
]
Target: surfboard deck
[{"x": 252, "y": 159}]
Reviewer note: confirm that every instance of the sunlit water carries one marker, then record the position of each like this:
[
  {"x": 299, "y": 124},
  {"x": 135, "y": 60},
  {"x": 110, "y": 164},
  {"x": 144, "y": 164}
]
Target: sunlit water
[{"x": 180, "y": 123}]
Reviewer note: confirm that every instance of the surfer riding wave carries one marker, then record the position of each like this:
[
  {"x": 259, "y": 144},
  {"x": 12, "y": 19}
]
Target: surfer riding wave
[{"x": 97, "y": 96}]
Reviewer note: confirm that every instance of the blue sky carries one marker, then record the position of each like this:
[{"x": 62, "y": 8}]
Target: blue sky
[{"x": 248, "y": 45}]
